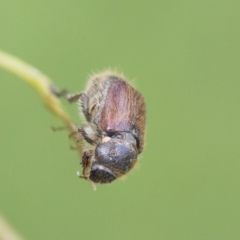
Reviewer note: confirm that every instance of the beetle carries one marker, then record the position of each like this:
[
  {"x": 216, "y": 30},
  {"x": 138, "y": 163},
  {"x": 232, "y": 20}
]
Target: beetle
[{"x": 116, "y": 116}]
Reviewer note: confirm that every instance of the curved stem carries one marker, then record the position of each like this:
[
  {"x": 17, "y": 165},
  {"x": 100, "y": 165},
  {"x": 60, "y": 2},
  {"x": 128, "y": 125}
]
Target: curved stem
[{"x": 43, "y": 85}]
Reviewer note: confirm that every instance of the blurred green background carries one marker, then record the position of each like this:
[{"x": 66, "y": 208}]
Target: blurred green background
[{"x": 184, "y": 57}]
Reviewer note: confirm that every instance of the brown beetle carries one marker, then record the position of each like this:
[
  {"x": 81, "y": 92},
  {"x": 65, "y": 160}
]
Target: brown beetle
[{"x": 116, "y": 114}]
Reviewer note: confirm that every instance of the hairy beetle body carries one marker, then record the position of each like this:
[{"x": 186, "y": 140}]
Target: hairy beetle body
[{"x": 115, "y": 114}]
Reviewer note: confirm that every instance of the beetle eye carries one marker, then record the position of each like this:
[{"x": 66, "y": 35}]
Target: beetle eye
[{"x": 115, "y": 135}]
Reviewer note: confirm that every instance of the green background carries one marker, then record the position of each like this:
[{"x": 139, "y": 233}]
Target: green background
[{"x": 184, "y": 57}]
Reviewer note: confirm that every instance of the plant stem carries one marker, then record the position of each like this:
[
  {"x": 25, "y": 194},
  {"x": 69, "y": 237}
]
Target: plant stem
[
  {"x": 43, "y": 85},
  {"x": 7, "y": 232}
]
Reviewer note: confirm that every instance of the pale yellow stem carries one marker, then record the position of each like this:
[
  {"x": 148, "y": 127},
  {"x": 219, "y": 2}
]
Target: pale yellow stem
[
  {"x": 43, "y": 85},
  {"x": 7, "y": 232}
]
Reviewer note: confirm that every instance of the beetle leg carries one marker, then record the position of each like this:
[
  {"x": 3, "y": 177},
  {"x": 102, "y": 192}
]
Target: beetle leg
[
  {"x": 86, "y": 136},
  {"x": 54, "y": 129},
  {"x": 73, "y": 97},
  {"x": 64, "y": 93},
  {"x": 85, "y": 159}
]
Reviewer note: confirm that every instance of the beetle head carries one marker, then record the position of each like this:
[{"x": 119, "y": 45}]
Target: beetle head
[{"x": 114, "y": 156}]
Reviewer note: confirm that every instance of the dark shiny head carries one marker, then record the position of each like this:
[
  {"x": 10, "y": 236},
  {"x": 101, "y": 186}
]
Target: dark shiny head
[{"x": 113, "y": 159}]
